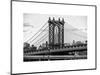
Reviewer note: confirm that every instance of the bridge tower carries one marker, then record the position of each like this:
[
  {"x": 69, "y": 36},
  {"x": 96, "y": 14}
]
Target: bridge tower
[{"x": 56, "y": 32}]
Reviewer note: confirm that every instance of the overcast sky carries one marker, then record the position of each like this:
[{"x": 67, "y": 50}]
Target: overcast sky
[{"x": 33, "y": 22}]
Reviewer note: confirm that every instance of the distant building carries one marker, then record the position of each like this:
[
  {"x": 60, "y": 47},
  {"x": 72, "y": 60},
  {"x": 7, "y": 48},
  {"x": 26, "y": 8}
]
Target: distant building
[
  {"x": 67, "y": 44},
  {"x": 73, "y": 41},
  {"x": 86, "y": 41},
  {"x": 26, "y": 45},
  {"x": 79, "y": 42},
  {"x": 40, "y": 47},
  {"x": 33, "y": 48}
]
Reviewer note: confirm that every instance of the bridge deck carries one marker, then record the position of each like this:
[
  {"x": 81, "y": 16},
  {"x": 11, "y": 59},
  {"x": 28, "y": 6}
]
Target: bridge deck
[
  {"x": 58, "y": 50},
  {"x": 53, "y": 57}
]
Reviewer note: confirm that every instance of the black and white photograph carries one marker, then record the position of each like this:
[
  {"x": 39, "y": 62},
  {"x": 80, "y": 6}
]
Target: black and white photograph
[{"x": 54, "y": 37}]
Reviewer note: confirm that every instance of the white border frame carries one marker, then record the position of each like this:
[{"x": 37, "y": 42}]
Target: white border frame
[{"x": 95, "y": 27}]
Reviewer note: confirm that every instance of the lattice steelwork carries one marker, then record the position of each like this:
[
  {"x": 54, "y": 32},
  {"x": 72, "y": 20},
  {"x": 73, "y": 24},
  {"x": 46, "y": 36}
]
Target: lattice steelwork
[{"x": 52, "y": 24}]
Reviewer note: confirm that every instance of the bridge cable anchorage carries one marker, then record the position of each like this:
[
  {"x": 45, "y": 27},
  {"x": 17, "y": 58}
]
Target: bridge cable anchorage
[
  {"x": 40, "y": 38},
  {"x": 38, "y": 35},
  {"x": 36, "y": 32}
]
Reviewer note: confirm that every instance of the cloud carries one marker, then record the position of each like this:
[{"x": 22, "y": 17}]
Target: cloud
[{"x": 28, "y": 25}]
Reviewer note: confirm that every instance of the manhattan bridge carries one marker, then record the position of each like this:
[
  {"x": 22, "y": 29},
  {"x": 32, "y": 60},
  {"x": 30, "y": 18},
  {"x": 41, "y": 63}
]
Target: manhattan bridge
[{"x": 48, "y": 43}]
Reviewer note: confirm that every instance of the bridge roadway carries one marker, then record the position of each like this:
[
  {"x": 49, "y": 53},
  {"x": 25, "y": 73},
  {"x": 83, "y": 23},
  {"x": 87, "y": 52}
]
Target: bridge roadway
[
  {"x": 53, "y": 57},
  {"x": 80, "y": 48}
]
